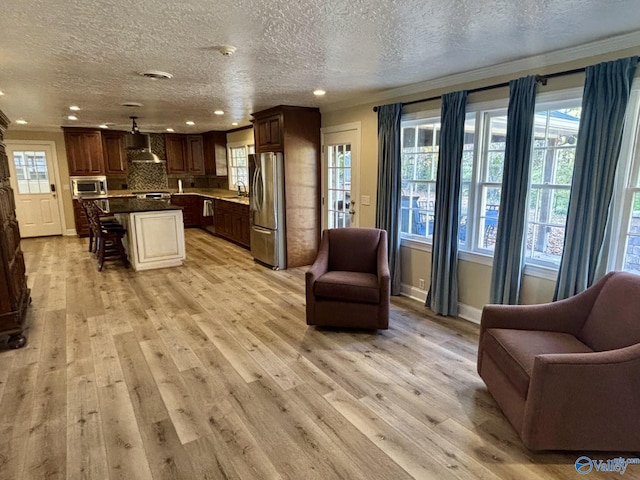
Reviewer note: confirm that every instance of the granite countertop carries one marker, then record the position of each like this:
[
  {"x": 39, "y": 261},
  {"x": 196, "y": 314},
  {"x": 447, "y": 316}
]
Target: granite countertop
[
  {"x": 135, "y": 205},
  {"x": 215, "y": 193}
]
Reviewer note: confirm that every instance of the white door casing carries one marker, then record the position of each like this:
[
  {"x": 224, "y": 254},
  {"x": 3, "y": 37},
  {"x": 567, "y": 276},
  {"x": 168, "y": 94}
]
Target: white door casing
[
  {"x": 36, "y": 184},
  {"x": 340, "y": 175}
]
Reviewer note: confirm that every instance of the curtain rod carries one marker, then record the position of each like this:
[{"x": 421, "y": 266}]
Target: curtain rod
[{"x": 539, "y": 78}]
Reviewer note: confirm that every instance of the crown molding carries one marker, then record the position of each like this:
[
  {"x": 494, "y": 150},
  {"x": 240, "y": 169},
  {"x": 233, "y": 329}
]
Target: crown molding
[{"x": 571, "y": 54}]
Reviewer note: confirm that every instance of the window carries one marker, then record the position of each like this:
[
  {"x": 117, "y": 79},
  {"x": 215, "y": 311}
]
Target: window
[
  {"x": 420, "y": 145},
  {"x": 553, "y": 152},
  {"x": 31, "y": 172},
  {"x": 628, "y": 204},
  {"x": 239, "y": 165},
  {"x": 552, "y": 160},
  {"x": 490, "y": 184}
]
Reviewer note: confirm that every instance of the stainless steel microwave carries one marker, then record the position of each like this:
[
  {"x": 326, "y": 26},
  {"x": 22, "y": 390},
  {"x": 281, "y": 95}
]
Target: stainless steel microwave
[{"x": 89, "y": 187}]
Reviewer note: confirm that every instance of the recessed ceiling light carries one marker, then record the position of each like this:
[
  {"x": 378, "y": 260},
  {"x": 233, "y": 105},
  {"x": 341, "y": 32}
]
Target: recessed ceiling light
[
  {"x": 190, "y": 122},
  {"x": 104, "y": 125},
  {"x": 21, "y": 122},
  {"x": 1, "y": 93},
  {"x": 170, "y": 130},
  {"x": 319, "y": 92},
  {"x": 235, "y": 124},
  {"x": 75, "y": 108},
  {"x": 219, "y": 112},
  {"x": 72, "y": 117},
  {"x": 156, "y": 75}
]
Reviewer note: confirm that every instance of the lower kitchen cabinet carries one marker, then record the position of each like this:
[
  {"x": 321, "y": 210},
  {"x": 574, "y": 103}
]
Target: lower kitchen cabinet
[
  {"x": 232, "y": 221},
  {"x": 191, "y": 208},
  {"x": 82, "y": 223}
]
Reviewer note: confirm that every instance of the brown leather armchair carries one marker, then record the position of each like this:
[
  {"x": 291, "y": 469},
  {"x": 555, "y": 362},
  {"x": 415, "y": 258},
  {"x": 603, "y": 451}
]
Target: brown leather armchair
[
  {"x": 567, "y": 374},
  {"x": 348, "y": 285}
]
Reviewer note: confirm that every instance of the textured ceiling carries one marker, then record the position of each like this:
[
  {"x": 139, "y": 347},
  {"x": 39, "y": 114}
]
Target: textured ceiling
[{"x": 55, "y": 54}]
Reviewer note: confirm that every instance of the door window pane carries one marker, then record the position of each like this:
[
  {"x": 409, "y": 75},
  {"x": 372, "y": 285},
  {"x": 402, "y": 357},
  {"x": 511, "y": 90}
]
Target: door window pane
[
  {"x": 31, "y": 172},
  {"x": 339, "y": 186}
]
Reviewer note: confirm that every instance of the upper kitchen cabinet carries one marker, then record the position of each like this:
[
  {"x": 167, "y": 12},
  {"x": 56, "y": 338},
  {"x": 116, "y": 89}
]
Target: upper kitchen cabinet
[
  {"x": 114, "y": 151},
  {"x": 176, "y": 146},
  {"x": 185, "y": 153},
  {"x": 195, "y": 154},
  {"x": 84, "y": 151},
  {"x": 215, "y": 153},
  {"x": 268, "y": 131},
  {"x": 296, "y": 132}
]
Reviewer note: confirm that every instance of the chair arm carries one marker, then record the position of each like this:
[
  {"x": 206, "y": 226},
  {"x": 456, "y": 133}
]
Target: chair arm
[
  {"x": 567, "y": 316},
  {"x": 583, "y": 395}
]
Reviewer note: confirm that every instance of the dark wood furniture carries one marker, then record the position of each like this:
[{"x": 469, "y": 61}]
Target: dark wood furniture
[
  {"x": 84, "y": 151},
  {"x": 296, "y": 132},
  {"x": 82, "y": 222},
  {"x": 191, "y": 208},
  {"x": 14, "y": 294},
  {"x": 268, "y": 130},
  {"x": 114, "y": 152},
  {"x": 215, "y": 153},
  {"x": 185, "y": 154},
  {"x": 108, "y": 236},
  {"x": 231, "y": 221}
]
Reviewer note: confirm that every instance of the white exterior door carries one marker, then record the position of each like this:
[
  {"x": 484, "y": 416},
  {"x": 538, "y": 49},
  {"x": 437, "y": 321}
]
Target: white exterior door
[
  {"x": 35, "y": 189},
  {"x": 340, "y": 167}
]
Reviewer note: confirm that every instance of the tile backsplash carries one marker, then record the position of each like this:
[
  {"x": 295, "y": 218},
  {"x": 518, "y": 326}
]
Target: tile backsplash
[{"x": 147, "y": 176}]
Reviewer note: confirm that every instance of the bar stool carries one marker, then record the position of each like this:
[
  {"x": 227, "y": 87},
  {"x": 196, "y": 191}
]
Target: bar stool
[
  {"x": 108, "y": 238},
  {"x": 105, "y": 220}
]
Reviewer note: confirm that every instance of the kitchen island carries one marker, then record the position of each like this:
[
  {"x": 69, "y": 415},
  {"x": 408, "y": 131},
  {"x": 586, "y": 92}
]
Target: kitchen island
[{"x": 155, "y": 231}]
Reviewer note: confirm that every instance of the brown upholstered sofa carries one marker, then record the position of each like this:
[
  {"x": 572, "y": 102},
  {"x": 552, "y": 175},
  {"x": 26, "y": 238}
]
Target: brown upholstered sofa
[
  {"x": 348, "y": 285},
  {"x": 567, "y": 374}
]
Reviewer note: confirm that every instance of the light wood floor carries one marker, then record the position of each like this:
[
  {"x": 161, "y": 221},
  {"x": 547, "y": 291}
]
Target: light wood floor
[{"x": 208, "y": 371}]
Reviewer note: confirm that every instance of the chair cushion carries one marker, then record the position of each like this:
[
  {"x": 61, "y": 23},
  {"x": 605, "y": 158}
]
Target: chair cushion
[
  {"x": 613, "y": 321},
  {"x": 354, "y": 249},
  {"x": 515, "y": 350},
  {"x": 348, "y": 287}
]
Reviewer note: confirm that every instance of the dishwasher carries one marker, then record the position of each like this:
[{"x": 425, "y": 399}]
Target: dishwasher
[{"x": 207, "y": 216}]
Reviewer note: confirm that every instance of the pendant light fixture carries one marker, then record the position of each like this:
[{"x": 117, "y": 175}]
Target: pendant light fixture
[{"x": 140, "y": 145}]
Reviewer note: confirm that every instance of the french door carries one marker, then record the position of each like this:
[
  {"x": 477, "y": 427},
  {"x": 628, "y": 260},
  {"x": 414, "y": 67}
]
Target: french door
[{"x": 340, "y": 162}]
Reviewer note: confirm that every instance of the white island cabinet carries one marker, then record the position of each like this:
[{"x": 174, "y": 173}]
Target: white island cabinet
[{"x": 155, "y": 232}]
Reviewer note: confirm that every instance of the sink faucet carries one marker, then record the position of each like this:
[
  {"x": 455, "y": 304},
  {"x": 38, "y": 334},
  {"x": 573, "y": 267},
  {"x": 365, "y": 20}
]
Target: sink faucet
[{"x": 242, "y": 192}]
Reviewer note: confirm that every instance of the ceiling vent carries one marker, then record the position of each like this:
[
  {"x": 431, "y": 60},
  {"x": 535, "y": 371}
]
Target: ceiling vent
[
  {"x": 156, "y": 75},
  {"x": 140, "y": 145},
  {"x": 131, "y": 104}
]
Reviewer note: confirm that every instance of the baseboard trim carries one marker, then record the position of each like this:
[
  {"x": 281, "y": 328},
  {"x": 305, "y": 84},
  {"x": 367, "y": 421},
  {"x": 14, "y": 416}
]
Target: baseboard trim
[
  {"x": 70, "y": 232},
  {"x": 471, "y": 314},
  {"x": 466, "y": 312}
]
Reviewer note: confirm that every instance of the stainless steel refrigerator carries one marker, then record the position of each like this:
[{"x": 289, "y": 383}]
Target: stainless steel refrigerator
[{"x": 266, "y": 196}]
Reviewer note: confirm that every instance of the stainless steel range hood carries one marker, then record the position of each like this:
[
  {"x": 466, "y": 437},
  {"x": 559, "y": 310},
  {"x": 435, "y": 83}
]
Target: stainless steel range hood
[{"x": 140, "y": 146}]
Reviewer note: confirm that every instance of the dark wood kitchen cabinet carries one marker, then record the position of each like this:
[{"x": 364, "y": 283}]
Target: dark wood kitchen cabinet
[
  {"x": 295, "y": 131},
  {"x": 84, "y": 151},
  {"x": 268, "y": 132},
  {"x": 231, "y": 221},
  {"x": 185, "y": 154},
  {"x": 114, "y": 152},
  {"x": 176, "y": 149},
  {"x": 195, "y": 154},
  {"x": 82, "y": 222},
  {"x": 215, "y": 153},
  {"x": 191, "y": 209},
  {"x": 14, "y": 294}
]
